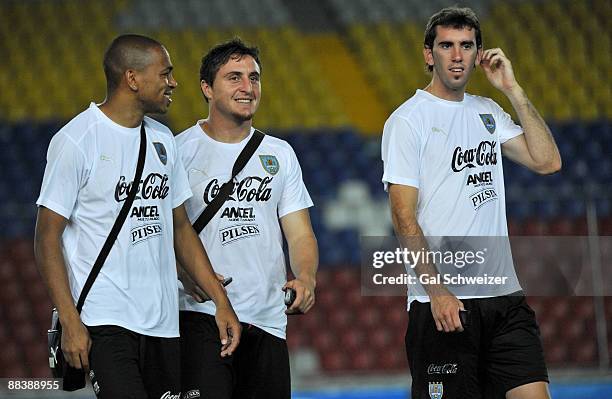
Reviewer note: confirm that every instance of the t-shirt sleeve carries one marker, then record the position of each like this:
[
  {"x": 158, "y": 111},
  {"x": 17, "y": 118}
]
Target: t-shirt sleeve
[
  {"x": 180, "y": 186},
  {"x": 295, "y": 195},
  {"x": 400, "y": 153},
  {"x": 66, "y": 173},
  {"x": 506, "y": 128}
]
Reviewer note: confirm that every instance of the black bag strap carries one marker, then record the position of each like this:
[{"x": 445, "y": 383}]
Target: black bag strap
[
  {"x": 226, "y": 189},
  {"x": 112, "y": 237}
]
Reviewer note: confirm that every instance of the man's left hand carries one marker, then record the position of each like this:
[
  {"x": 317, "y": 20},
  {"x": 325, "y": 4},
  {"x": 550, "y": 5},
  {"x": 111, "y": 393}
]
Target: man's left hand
[
  {"x": 498, "y": 69},
  {"x": 304, "y": 296}
]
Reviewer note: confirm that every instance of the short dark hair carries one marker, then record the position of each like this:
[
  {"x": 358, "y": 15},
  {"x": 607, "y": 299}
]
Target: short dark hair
[
  {"x": 454, "y": 17},
  {"x": 220, "y": 55},
  {"x": 128, "y": 51}
]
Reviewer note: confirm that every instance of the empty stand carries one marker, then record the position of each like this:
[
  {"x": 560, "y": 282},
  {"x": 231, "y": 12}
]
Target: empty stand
[{"x": 322, "y": 104}]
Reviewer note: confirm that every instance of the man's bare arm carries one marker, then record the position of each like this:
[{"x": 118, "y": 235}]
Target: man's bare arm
[
  {"x": 536, "y": 148},
  {"x": 303, "y": 258},
  {"x": 444, "y": 305},
  {"x": 52, "y": 267},
  {"x": 193, "y": 258}
]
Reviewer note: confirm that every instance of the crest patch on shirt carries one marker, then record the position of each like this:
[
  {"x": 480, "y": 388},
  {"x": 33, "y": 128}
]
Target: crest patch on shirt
[
  {"x": 436, "y": 390},
  {"x": 489, "y": 122},
  {"x": 269, "y": 163},
  {"x": 161, "y": 152}
]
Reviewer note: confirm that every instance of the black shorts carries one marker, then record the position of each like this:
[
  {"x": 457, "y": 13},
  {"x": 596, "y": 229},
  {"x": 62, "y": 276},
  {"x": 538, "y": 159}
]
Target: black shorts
[
  {"x": 500, "y": 350},
  {"x": 125, "y": 364},
  {"x": 258, "y": 369}
]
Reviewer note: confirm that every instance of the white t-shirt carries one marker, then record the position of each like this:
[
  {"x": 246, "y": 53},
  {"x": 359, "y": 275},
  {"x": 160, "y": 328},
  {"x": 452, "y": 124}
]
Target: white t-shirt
[
  {"x": 244, "y": 239},
  {"x": 451, "y": 152},
  {"x": 90, "y": 164}
]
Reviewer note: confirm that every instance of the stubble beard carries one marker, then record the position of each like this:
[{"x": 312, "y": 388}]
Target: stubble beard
[{"x": 155, "y": 107}]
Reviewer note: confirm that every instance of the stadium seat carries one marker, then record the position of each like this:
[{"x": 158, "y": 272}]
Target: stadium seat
[
  {"x": 363, "y": 359},
  {"x": 334, "y": 362},
  {"x": 391, "y": 358}
]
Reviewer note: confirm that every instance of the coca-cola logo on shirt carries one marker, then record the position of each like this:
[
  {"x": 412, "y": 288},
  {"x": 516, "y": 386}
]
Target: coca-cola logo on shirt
[
  {"x": 251, "y": 188},
  {"x": 154, "y": 186},
  {"x": 481, "y": 155},
  {"x": 448, "y": 368}
]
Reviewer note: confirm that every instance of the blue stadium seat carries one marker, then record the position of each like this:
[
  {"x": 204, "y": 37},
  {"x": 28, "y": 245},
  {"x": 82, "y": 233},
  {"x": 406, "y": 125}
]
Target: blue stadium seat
[
  {"x": 547, "y": 210},
  {"x": 566, "y": 149},
  {"x": 603, "y": 207},
  {"x": 577, "y": 131},
  {"x": 349, "y": 241},
  {"x": 579, "y": 170},
  {"x": 519, "y": 210},
  {"x": 573, "y": 208}
]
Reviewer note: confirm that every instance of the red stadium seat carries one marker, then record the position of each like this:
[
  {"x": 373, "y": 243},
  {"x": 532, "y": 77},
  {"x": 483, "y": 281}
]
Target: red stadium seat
[
  {"x": 608, "y": 308},
  {"x": 369, "y": 316},
  {"x": 35, "y": 357},
  {"x": 14, "y": 369},
  {"x": 12, "y": 362},
  {"x": 536, "y": 303},
  {"x": 35, "y": 291},
  {"x": 327, "y": 299},
  {"x": 396, "y": 318},
  {"x": 572, "y": 329},
  {"x": 548, "y": 330},
  {"x": 42, "y": 313},
  {"x": 324, "y": 341},
  {"x": 605, "y": 226},
  {"x": 20, "y": 250},
  {"x": 514, "y": 228},
  {"x": 18, "y": 312},
  {"x": 558, "y": 308},
  {"x": 364, "y": 359},
  {"x": 28, "y": 271},
  {"x": 7, "y": 271},
  {"x": 535, "y": 227},
  {"x": 584, "y": 352},
  {"x": 584, "y": 307},
  {"x": 334, "y": 361},
  {"x": 379, "y": 338},
  {"x": 562, "y": 227},
  {"x": 353, "y": 299},
  {"x": 346, "y": 278},
  {"x": 556, "y": 354},
  {"x": 40, "y": 370},
  {"x": 382, "y": 302},
  {"x": 11, "y": 293},
  {"x": 26, "y": 333},
  {"x": 340, "y": 319},
  {"x": 296, "y": 339},
  {"x": 581, "y": 227},
  {"x": 323, "y": 280},
  {"x": 392, "y": 358},
  {"x": 353, "y": 340}
]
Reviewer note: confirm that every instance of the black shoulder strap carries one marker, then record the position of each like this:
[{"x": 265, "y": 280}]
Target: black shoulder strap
[
  {"x": 227, "y": 188},
  {"x": 110, "y": 240}
]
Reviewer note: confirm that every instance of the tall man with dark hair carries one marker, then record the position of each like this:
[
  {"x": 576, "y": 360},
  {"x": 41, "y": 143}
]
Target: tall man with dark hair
[
  {"x": 127, "y": 333},
  {"x": 432, "y": 146},
  {"x": 244, "y": 239}
]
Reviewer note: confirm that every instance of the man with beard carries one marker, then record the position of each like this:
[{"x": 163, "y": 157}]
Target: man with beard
[
  {"x": 442, "y": 168},
  {"x": 244, "y": 239},
  {"x": 126, "y": 336}
]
